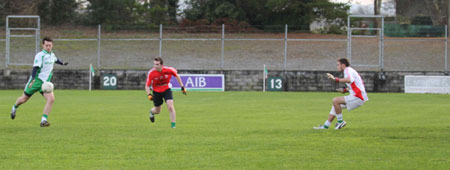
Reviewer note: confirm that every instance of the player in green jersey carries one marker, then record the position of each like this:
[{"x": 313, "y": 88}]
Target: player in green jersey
[{"x": 42, "y": 72}]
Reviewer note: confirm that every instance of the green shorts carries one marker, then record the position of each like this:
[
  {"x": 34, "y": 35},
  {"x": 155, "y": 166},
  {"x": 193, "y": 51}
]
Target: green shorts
[{"x": 36, "y": 86}]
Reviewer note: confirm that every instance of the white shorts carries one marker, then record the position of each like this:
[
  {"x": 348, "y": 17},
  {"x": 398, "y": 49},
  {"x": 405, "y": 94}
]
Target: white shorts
[{"x": 353, "y": 102}]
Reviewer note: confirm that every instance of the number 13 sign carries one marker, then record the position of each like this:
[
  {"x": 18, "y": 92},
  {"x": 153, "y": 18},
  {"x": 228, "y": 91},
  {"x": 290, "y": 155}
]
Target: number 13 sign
[{"x": 275, "y": 84}]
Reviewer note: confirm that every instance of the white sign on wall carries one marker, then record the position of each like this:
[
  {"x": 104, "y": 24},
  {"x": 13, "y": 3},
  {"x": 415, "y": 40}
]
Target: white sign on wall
[{"x": 427, "y": 84}]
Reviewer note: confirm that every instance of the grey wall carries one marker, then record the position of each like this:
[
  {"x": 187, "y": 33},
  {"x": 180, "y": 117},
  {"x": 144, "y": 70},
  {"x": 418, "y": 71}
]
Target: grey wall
[{"x": 243, "y": 80}]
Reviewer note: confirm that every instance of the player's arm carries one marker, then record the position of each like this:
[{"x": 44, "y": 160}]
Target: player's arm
[
  {"x": 337, "y": 79},
  {"x": 61, "y": 62},
  {"x": 36, "y": 66},
  {"x": 183, "y": 90},
  {"x": 342, "y": 80},
  {"x": 148, "y": 90},
  {"x": 342, "y": 90},
  {"x": 33, "y": 75}
]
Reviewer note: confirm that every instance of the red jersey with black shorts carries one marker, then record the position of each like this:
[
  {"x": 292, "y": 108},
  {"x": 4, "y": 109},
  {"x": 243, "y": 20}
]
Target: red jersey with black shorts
[{"x": 160, "y": 82}]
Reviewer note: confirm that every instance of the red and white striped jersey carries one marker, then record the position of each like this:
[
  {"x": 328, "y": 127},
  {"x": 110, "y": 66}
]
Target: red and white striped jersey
[{"x": 356, "y": 84}]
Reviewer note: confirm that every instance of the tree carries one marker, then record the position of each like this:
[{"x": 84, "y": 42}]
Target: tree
[
  {"x": 172, "y": 9},
  {"x": 57, "y": 12},
  {"x": 335, "y": 15},
  {"x": 377, "y": 7},
  {"x": 212, "y": 10},
  {"x": 17, "y": 7},
  {"x": 112, "y": 12},
  {"x": 268, "y": 12},
  {"x": 376, "y": 10},
  {"x": 437, "y": 10},
  {"x": 159, "y": 12},
  {"x": 132, "y": 12}
]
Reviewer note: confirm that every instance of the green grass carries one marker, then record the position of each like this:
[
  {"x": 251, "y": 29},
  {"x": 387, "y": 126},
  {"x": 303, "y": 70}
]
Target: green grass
[{"x": 230, "y": 130}]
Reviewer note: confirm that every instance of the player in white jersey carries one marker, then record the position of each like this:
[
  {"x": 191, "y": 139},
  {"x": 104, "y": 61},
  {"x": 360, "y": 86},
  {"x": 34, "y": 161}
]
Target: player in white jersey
[
  {"x": 42, "y": 72},
  {"x": 357, "y": 97}
]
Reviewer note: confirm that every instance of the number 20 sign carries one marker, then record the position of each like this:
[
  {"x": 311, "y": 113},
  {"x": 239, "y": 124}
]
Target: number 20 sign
[
  {"x": 109, "y": 81},
  {"x": 275, "y": 84}
]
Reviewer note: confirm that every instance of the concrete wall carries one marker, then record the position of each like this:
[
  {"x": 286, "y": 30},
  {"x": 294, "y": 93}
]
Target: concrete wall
[{"x": 243, "y": 80}]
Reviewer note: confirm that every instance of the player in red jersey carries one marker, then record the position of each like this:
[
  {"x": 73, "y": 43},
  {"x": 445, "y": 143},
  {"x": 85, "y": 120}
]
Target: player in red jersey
[{"x": 159, "y": 80}]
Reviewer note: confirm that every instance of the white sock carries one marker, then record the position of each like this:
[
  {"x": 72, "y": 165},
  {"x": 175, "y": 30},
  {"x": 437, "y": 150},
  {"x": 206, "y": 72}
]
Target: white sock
[
  {"x": 151, "y": 114},
  {"x": 43, "y": 118},
  {"x": 339, "y": 117},
  {"x": 327, "y": 123}
]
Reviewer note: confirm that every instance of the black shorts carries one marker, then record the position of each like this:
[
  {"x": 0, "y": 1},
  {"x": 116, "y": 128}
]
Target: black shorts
[{"x": 158, "y": 97}]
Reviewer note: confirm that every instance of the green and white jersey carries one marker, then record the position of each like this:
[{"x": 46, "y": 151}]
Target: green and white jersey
[{"x": 44, "y": 60}]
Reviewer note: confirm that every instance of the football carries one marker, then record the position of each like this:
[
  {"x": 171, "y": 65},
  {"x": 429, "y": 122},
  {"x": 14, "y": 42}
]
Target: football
[{"x": 47, "y": 87}]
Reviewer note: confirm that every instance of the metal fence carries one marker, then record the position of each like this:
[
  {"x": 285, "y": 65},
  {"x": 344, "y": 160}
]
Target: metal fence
[{"x": 227, "y": 48}]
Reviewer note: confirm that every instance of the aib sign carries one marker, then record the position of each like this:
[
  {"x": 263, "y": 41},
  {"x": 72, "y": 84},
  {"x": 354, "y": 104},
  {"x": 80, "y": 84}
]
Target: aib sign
[{"x": 200, "y": 82}]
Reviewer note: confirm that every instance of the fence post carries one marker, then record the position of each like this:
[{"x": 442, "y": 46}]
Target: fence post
[
  {"x": 382, "y": 44},
  {"x": 7, "y": 43},
  {"x": 223, "y": 45},
  {"x": 285, "y": 47},
  {"x": 160, "y": 40},
  {"x": 99, "y": 40},
  {"x": 446, "y": 50},
  {"x": 349, "y": 40},
  {"x": 38, "y": 36}
]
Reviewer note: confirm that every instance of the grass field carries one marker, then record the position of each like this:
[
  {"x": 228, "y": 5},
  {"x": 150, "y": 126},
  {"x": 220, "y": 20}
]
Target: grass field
[{"x": 230, "y": 130}]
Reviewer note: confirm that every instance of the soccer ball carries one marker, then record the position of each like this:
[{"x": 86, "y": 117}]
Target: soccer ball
[{"x": 47, "y": 87}]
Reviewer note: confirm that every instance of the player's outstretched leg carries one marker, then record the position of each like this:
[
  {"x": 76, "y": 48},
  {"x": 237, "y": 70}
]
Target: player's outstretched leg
[
  {"x": 22, "y": 99},
  {"x": 153, "y": 111},
  {"x": 13, "y": 112},
  {"x": 50, "y": 98},
  {"x": 173, "y": 115},
  {"x": 327, "y": 123},
  {"x": 320, "y": 127},
  {"x": 338, "y": 104},
  {"x": 152, "y": 116}
]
